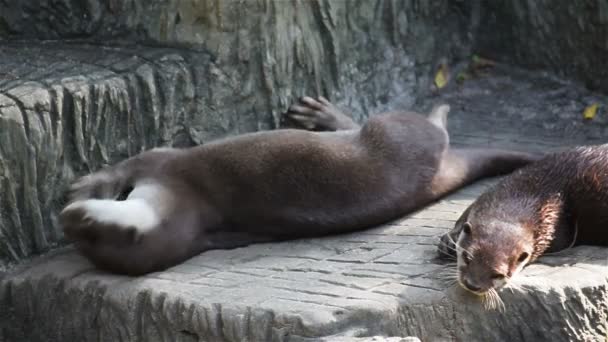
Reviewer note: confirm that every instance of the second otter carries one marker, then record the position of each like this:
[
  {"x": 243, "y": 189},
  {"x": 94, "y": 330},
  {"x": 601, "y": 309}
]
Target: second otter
[
  {"x": 163, "y": 206},
  {"x": 548, "y": 206}
]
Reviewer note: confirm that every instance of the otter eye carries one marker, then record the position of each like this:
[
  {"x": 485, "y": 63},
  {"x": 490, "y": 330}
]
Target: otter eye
[
  {"x": 522, "y": 257},
  {"x": 498, "y": 276},
  {"x": 466, "y": 228}
]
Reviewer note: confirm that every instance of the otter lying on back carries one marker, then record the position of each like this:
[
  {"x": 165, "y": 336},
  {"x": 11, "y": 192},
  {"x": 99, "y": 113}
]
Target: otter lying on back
[
  {"x": 555, "y": 203},
  {"x": 163, "y": 206}
]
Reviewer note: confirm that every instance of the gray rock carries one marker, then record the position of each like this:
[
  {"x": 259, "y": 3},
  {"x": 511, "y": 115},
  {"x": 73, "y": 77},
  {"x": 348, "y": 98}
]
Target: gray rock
[
  {"x": 567, "y": 37},
  {"x": 66, "y": 110},
  {"x": 275, "y": 48},
  {"x": 372, "y": 339}
]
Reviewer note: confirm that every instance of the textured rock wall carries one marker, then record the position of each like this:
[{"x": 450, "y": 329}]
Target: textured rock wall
[
  {"x": 280, "y": 46},
  {"x": 67, "y": 109},
  {"x": 568, "y": 37},
  {"x": 98, "y": 92}
]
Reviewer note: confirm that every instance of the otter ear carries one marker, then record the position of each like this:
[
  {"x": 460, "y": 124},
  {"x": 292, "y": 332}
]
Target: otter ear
[
  {"x": 464, "y": 218},
  {"x": 549, "y": 214}
]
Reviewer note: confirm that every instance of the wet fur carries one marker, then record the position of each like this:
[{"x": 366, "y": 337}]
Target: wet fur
[
  {"x": 547, "y": 206},
  {"x": 276, "y": 185}
]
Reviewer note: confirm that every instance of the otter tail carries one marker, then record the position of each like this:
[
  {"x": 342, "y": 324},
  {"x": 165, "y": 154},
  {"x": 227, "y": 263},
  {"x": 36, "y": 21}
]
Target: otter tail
[
  {"x": 463, "y": 166},
  {"x": 439, "y": 116}
]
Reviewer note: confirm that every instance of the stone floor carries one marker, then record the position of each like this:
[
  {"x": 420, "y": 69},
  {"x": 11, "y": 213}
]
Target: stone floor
[{"x": 383, "y": 281}]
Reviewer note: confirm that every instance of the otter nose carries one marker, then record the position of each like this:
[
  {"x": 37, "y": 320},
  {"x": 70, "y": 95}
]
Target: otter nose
[{"x": 470, "y": 286}]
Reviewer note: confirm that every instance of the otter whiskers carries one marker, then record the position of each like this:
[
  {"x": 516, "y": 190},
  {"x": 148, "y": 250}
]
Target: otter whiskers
[
  {"x": 449, "y": 275},
  {"x": 491, "y": 301},
  {"x": 457, "y": 246}
]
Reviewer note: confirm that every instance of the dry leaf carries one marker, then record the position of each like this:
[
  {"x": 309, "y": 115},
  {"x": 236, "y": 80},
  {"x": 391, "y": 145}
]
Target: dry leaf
[
  {"x": 480, "y": 62},
  {"x": 590, "y": 111},
  {"x": 441, "y": 78}
]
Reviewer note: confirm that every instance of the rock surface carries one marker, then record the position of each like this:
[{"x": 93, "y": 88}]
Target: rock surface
[
  {"x": 567, "y": 37},
  {"x": 367, "y": 53},
  {"x": 120, "y": 76},
  {"x": 68, "y": 109},
  {"x": 380, "y": 282}
]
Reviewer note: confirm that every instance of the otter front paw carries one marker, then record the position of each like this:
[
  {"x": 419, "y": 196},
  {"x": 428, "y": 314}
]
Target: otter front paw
[
  {"x": 76, "y": 223},
  {"x": 99, "y": 185},
  {"x": 82, "y": 222},
  {"x": 447, "y": 246},
  {"x": 318, "y": 114}
]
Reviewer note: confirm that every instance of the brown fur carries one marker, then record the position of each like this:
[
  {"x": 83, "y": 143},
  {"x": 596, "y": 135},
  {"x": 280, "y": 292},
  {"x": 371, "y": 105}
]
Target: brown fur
[
  {"x": 547, "y": 206},
  {"x": 283, "y": 184},
  {"x": 544, "y": 228}
]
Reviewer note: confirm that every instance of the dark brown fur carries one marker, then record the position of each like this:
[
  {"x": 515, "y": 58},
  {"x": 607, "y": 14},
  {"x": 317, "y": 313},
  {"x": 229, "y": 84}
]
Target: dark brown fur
[
  {"x": 556, "y": 202},
  {"x": 283, "y": 184}
]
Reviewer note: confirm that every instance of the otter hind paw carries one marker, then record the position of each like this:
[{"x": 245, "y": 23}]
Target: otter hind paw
[
  {"x": 102, "y": 221},
  {"x": 318, "y": 114},
  {"x": 76, "y": 223},
  {"x": 95, "y": 185}
]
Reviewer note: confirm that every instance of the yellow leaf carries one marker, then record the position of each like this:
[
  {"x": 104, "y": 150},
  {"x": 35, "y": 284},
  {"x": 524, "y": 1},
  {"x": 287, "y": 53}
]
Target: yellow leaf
[
  {"x": 590, "y": 111},
  {"x": 441, "y": 78},
  {"x": 480, "y": 62}
]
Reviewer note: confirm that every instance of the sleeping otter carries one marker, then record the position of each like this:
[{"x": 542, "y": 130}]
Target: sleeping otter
[
  {"x": 163, "y": 206},
  {"x": 548, "y": 206}
]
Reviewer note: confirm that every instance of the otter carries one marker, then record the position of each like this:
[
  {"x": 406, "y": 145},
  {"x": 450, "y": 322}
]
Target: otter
[
  {"x": 163, "y": 206},
  {"x": 550, "y": 205}
]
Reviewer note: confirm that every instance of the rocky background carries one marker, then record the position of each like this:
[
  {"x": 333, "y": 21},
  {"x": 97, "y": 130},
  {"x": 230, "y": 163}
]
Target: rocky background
[
  {"x": 570, "y": 38},
  {"x": 87, "y": 83}
]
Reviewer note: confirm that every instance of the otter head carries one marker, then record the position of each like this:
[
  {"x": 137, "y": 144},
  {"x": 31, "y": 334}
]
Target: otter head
[
  {"x": 491, "y": 253},
  {"x": 493, "y": 243}
]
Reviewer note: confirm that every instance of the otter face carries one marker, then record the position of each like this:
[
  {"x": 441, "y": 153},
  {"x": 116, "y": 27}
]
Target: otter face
[{"x": 489, "y": 255}]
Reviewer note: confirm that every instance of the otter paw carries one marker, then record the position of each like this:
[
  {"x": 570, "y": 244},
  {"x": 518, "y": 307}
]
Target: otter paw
[
  {"x": 80, "y": 223},
  {"x": 318, "y": 114},
  {"x": 76, "y": 223},
  {"x": 447, "y": 247},
  {"x": 95, "y": 185},
  {"x": 99, "y": 185}
]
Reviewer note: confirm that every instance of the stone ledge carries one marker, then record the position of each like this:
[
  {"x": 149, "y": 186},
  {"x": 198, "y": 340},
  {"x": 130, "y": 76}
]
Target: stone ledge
[{"x": 384, "y": 281}]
